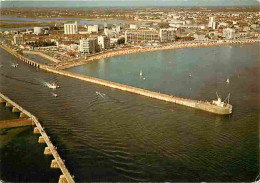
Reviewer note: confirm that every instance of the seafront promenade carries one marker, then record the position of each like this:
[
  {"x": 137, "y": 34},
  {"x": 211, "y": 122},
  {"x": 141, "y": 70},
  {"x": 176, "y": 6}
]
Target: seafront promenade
[{"x": 133, "y": 50}]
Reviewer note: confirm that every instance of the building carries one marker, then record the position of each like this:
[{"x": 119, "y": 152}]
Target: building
[
  {"x": 167, "y": 35},
  {"x": 141, "y": 36},
  {"x": 38, "y": 30},
  {"x": 200, "y": 37},
  {"x": 88, "y": 45},
  {"x": 71, "y": 28},
  {"x": 212, "y": 23},
  {"x": 133, "y": 26},
  {"x": 103, "y": 42},
  {"x": 93, "y": 29},
  {"x": 229, "y": 33},
  {"x": 18, "y": 39}
]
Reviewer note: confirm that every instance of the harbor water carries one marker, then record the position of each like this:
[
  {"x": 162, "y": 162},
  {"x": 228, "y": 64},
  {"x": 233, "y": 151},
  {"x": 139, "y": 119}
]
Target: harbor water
[{"x": 108, "y": 135}]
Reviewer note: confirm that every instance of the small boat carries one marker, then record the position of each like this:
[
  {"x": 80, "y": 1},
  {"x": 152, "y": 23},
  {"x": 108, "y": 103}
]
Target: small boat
[
  {"x": 52, "y": 85},
  {"x": 190, "y": 75},
  {"x": 55, "y": 94},
  {"x": 144, "y": 78},
  {"x": 141, "y": 73},
  {"x": 227, "y": 80},
  {"x": 14, "y": 65}
]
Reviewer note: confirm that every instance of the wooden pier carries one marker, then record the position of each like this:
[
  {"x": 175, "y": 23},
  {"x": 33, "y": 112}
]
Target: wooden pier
[{"x": 57, "y": 162}]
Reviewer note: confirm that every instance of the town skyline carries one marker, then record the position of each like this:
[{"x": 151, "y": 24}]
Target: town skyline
[{"x": 128, "y": 3}]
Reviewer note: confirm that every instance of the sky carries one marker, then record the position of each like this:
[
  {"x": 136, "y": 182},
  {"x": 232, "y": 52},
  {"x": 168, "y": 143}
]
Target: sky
[{"x": 125, "y": 3}]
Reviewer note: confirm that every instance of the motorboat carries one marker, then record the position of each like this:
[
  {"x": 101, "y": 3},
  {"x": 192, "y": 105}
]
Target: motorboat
[
  {"x": 227, "y": 80},
  {"x": 52, "y": 85},
  {"x": 14, "y": 65}
]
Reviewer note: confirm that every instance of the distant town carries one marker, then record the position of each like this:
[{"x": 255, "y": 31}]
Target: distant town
[{"x": 67, "y": 42}]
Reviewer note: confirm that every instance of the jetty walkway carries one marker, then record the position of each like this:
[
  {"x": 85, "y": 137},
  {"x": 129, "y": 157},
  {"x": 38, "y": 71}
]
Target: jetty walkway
[{"x": 44, "y": 138}]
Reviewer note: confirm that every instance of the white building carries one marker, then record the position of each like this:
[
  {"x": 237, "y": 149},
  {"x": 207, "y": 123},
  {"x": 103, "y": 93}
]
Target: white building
[
  {"x": 71, "y": 28},
  {"x": 133, "y": 26},
  {"x": 88, "y": 45},
  {"x": 93, "y": 29},
  {"x": 212, "y": 23},
  {"x": 18, "y": 39},
  {"x": 229, "y": 33},
  {"x": 104, "y": 42},
  {"x": 38, "y": 30},
  {"x": 167, "y": 35}
]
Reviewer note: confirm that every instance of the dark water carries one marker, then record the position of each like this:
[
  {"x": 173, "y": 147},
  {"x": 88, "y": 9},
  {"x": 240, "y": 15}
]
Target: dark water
[{"x": 118, "y": 136}]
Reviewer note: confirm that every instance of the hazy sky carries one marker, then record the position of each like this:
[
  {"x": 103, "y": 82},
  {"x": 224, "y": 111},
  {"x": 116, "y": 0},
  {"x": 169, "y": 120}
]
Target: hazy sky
[{"x": 125, "y": 3}]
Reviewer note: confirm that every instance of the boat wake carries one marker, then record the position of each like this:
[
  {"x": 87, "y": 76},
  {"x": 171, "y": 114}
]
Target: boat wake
[{"x": 101, "y": 94}]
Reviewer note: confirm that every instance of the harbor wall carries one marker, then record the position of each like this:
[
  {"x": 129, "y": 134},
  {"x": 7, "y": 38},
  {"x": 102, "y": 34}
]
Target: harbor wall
[
  {"x": 156, "y": 95},
  {"x": 43, "y": 55}
]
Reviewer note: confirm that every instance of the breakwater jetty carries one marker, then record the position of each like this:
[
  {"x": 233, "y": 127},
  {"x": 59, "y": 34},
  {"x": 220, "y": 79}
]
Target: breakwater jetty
[
  {"x": 201, "y": 105},
  {"x": 57, "y": 162}
]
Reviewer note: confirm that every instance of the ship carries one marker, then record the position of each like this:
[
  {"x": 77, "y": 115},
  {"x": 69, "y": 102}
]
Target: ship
[
  {"x": 52, "y": 85},
  {"x": 216, "y": 106}
]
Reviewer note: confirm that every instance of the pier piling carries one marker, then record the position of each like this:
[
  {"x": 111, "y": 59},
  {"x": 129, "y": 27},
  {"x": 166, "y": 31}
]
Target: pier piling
[
  {"x": 54, "y": 164},
  {"x": 47, "y": 151},
  {"x": 36, "y": 130},
  {"x": 41, "y": 140}
]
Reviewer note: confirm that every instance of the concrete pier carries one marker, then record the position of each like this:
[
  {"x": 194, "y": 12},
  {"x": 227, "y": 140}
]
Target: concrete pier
[
  {"x": 36, "y": 130},
  {"x": 45, "y": 137},
  {"x": 47, "y": 151},
  {"x": 206, "y": 106},
  {"x": 54, "y": 164},
  {"x": 41, "y": 140},
  {"x": 15, "y": 123}
]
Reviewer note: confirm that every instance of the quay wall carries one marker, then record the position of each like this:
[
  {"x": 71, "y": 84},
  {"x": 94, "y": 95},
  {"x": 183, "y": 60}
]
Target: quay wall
[
  {"x": 43, "y": 55},
  {"x": 46, "y": 138}
]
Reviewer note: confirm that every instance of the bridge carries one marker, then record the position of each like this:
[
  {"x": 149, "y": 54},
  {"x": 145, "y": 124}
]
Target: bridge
[{"x": 29, "y": 119}]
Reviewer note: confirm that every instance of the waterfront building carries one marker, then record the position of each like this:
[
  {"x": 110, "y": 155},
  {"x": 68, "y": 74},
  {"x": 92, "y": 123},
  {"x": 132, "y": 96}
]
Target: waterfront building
[
  {"x": 38, "y": 30},
  {"x": 18, "y": 39},
  {"x": 88, "y": 45},
  {"x": 103, "y": 42},
  {"x": 71, "y": 28},
  {"x": 212, "y": 23},
  {"x": 141, "y": 36},
  {"x": 229, "y": 33},
  {"x": 200, "y": 37},
  {"x": 167, "y": 35},
  {"x": 93, "y": 29},
  {"x": 133, "y": 26}
]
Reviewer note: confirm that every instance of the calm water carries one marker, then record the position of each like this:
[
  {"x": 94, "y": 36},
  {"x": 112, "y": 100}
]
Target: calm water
[
  {"x": 16, "y": 19},
  {"x": 118, "y": 136}
]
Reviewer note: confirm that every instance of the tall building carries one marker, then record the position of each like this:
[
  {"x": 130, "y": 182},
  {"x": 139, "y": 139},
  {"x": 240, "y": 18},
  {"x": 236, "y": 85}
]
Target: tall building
[
  {"x": 71, "y": 28},
  {"x": 212, "y": 23},
  {"x": 18, "y": 39},
  {"x": 38, "y": 30},
  {"x": 88, "y": 45},
  {"x": 93, "y": 29},
  {"x": 141, "y": 36},
  {"x": 167, "y": 35},
  {"x": 229, "y": 33},
  {"x": 104, "y": 42}
]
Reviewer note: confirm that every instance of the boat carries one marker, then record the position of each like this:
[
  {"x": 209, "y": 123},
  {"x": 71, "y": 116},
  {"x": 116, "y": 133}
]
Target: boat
[
  {"x": 141, "y": 73},
  {"x": 227, "y": 80},
  {"x": 144, "y": 78},
  {"x": 216, "y": 106},
  {"x": 14, "y": 65},
  {"x": 54, "y": 94},
  {"x": 52, "y": 85}
]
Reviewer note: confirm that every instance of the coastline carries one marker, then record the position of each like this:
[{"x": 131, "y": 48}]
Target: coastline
[
  {"x": 127, "y": 51},
  {"x": 201, "y": 105}
]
